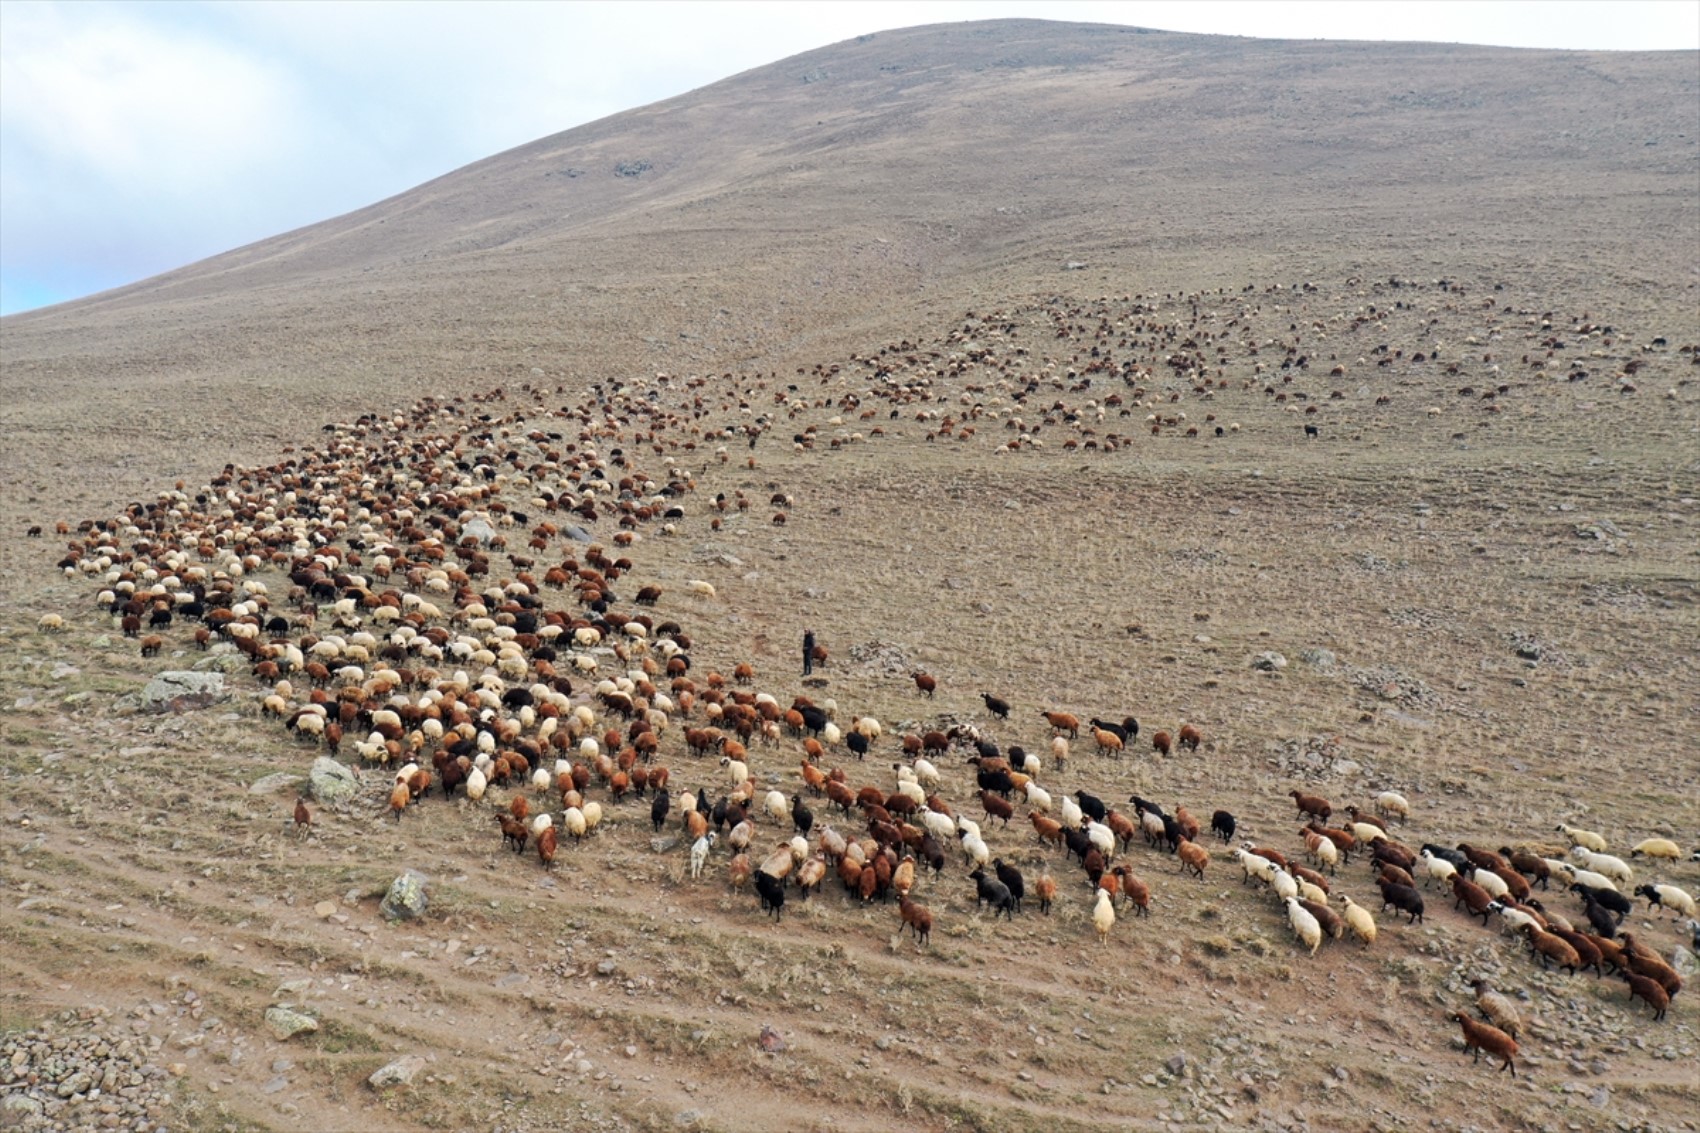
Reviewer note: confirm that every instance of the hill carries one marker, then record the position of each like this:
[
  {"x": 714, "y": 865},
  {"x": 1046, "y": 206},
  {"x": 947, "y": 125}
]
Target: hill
[{"x": 1336, "y": 400}]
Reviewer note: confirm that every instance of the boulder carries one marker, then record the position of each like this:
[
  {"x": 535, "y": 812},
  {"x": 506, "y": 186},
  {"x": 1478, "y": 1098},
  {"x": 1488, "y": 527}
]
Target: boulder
[
  {"x": 1268, "y": 662},
  {"x": 286, "y": 1024},
  {"x": 180, "y": 691},
  {"x": 407, "y": 899},
  {"x": 478, "y": 529},
  {"x": 401, "y": 1072},
  {"x": 331, "y": 783}
]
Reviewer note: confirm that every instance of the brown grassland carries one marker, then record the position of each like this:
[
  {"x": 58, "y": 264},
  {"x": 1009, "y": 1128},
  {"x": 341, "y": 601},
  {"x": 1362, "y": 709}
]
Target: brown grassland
[{"x": 1078, "y": 242}]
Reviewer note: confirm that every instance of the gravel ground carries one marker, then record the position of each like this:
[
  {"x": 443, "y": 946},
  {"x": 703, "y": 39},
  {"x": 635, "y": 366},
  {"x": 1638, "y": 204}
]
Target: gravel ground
[{"x": 81, "y": 1073}]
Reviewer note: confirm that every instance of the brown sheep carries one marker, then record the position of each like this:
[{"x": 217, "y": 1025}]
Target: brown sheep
[
  {"x": 1162, "y": 743},
  {"x": 1062, "y": 722},
  {"x": 152, "y": 644},
  {"x": 914, "y": 917},
  {"x": 1193, "y": 857},
  {"x": 925, "y": 682},
  {"x": 1649, "y": 992},
  {"x": 1480, "y": 1036},
  {"x": 1314, "y": 805},
  {"x": 1190, "y": 737}
]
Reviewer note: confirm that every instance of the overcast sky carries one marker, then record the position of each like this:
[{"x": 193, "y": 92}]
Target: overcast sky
[{"x": 137, "y": 137}]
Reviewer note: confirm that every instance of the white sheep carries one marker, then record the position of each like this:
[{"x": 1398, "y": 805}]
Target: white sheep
[
  {"x": 475, "y": 784},
  {"x": 1068, "y": 812},
  {"x": 777, "y": 806},
  {"x": 1494, "y": 884},
  {"x": 1390, "y": 803},
  {"x": 938, "y": 825},
  {"x": 1059, "y": 751},
  {"x": 1435, "y": 869},
  {"x": 1584, "y": 877},
  {"x": 1254, "y": 865},
  {"x": 699, "y": 853},
  {"x": 574, "y": 823},
  {"x": 1668, "y": 897},
  {"x": 1102, "y": 838},
  {"x": 1309, "y": 891},
  {"x": 1283, "y": 884},
  {"x": 1305, "y": 926},
  {"x": 1103, "y": 915},
  {"x": 1584, "y": 838},
  {"x": 1613, "y": 867},
  {"x": 736, "y": 770},
  {"x": 1359, "y": 919},
  {"x": 1657, "y": 848},
  {"x": 699, "y": 587},
  {"x": 1038, "y": 798},
  {"x": 1512, "y": 919},
  {"x": 974, "y": 850}
]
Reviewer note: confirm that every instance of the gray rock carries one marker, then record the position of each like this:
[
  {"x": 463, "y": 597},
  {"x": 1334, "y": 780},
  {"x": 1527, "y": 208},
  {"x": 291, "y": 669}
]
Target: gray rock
[
  {"x": 330, "y": 782},
  {"x": 221, "y": 663},
  {"x": 479, "y": 529},
  {"x": 1684, "y": 962},
  {"x": 1176, "y": 1064},
  {"x": 1268, "y": 662},
  {"x": 401, "y": 1072},
  {"x": 21, "y": 1104},
  {"x": 578, "y": 534},
  {"x": 407, "y": 899},
  {"x": 665, "y": 844},
  {"x": 180, "y": 691},
  {"x": 272, "y": 784},
  {"x": 287, "y": 1024},
  {"x": 1321, "y": 658}
]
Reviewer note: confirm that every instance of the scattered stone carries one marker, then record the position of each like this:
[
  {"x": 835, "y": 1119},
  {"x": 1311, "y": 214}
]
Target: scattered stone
[
  {"x": 272, "y": 784},
  {"x": 286, "y": 1024},
  {"x": 407, "y": 899},
  {"x": 1176, "y": 1064},
  {"x": 324, "y": 909},
  {"x": 181, "y": 691},
  {"x": 401, "y": 1072},
  {"x": 330, "y": 782},
  {"x": 1268, "y": 662},
  {"x": 1320, "y": 658},
  {"x": 771, "y": 1041}
]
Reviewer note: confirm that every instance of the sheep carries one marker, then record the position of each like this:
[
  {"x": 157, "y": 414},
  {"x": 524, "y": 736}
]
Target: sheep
[
  {"x": 1322, "y": 851},
  {"x": 1108, "y": 742},
  {"x": 1552, "y": 949},
  {"x": 1314, "y": 805},
  {"x": 1193, "y": 857},
  {"x": 1305, "y": 926},
  {"x": 1482, "y": 1036},
  {"x": 997, "y": 706},
  {"x": 776, "y": 806},
  {"x": 1657, "y": 848},
  {"x": 1038, "y": 799},
  {"x": 1254, "y": 865},
  {"x": 1468, "y": 894},
  {"x": 1359, "y": 920},
  {"x": 993, "y": 893},
  {"x": 1403, "y": 898},
  {"x": 1162, "y": 743},
  {"x": 1587, "y": 839},
  {"x": 914, "y": 917},
  {"x": 1649, "y": 992},
  {"x": 699, "y": 587},
  {"x": 1494, "y": 884},
  {"x": 1190, "y": 737},
  {"x": 925, "y": 682},
  {"x": 772, "y": 893},
  {"x": 1586, "y": 878},
  {"x": 699, "y": 853},
  {"x": 974, "y": 850},
  {"x": 1223, "y": 825},
  {"x": 1435, "y": 869},
  {"x": 1667, "y": 897},
  {"x": 1103, "y": 915},
  {"x": 1046, "y": 890},
  {"x": 50, "y": 623},
  {"x": 736, "y": 771},
  {"x": 1496, "y": 1008},
  {"x": 1389, "y": 803},
  {"x": 1605, "y": 864}
]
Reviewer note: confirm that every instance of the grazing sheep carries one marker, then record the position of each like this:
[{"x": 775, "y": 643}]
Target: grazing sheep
[
  {"x": 1305, "y": 926},
  {"x": 1662, "y": 848},
  {"x": 1667, "y": 897},
  {"x": 1359, "y": 920},
  {"x": 1481, "y": 1036},
  {"x": 1046, "y": 890},
  {"x": 1223, "y": 825},
  {"x": 1604, "y": 864},
  {"x": 1193, "y": 857},
  {"x": 1389, "y": 803},
  {"x": 1587, "y": 839},
  {"x": 1103, "y": 915},
  {"x": 992, "y": 893},
  {"x": 1314, "y": 805},
  {"x": 699, "y": 853},
  {"x": 915, "y": 917},
  {"x": 1496, "y": 1008}
]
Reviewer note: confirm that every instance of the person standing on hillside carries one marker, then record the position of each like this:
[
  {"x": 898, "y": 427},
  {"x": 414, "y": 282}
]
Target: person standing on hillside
[{"x": 808, "y": 651}]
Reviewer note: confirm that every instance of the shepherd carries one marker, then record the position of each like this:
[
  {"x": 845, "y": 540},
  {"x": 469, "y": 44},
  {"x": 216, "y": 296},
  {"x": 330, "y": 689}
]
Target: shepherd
[{"x": 808, "y": 651}]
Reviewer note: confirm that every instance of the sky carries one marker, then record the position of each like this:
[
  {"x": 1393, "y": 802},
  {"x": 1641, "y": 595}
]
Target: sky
[{"x": 136, "y": 137}]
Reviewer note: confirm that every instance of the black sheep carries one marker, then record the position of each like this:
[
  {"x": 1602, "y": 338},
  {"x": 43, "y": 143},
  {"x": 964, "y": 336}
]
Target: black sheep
[
  {"x": 996, "y": 706},
  {"x": 1011, "y": 877},
  {"x": 993, "y": 893},
  {"x": 1403, "y": 898},
  {"x": 801, "y": 816},
  {"x": 857, "y": 743},
  {"x": 772, "y": 892},
  {"x": 1222, "y": 824},
  {"x": 1608, "y": 898},
  {"x": 658, "y": 810},
  {"x": 1091, "y": 806}
]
